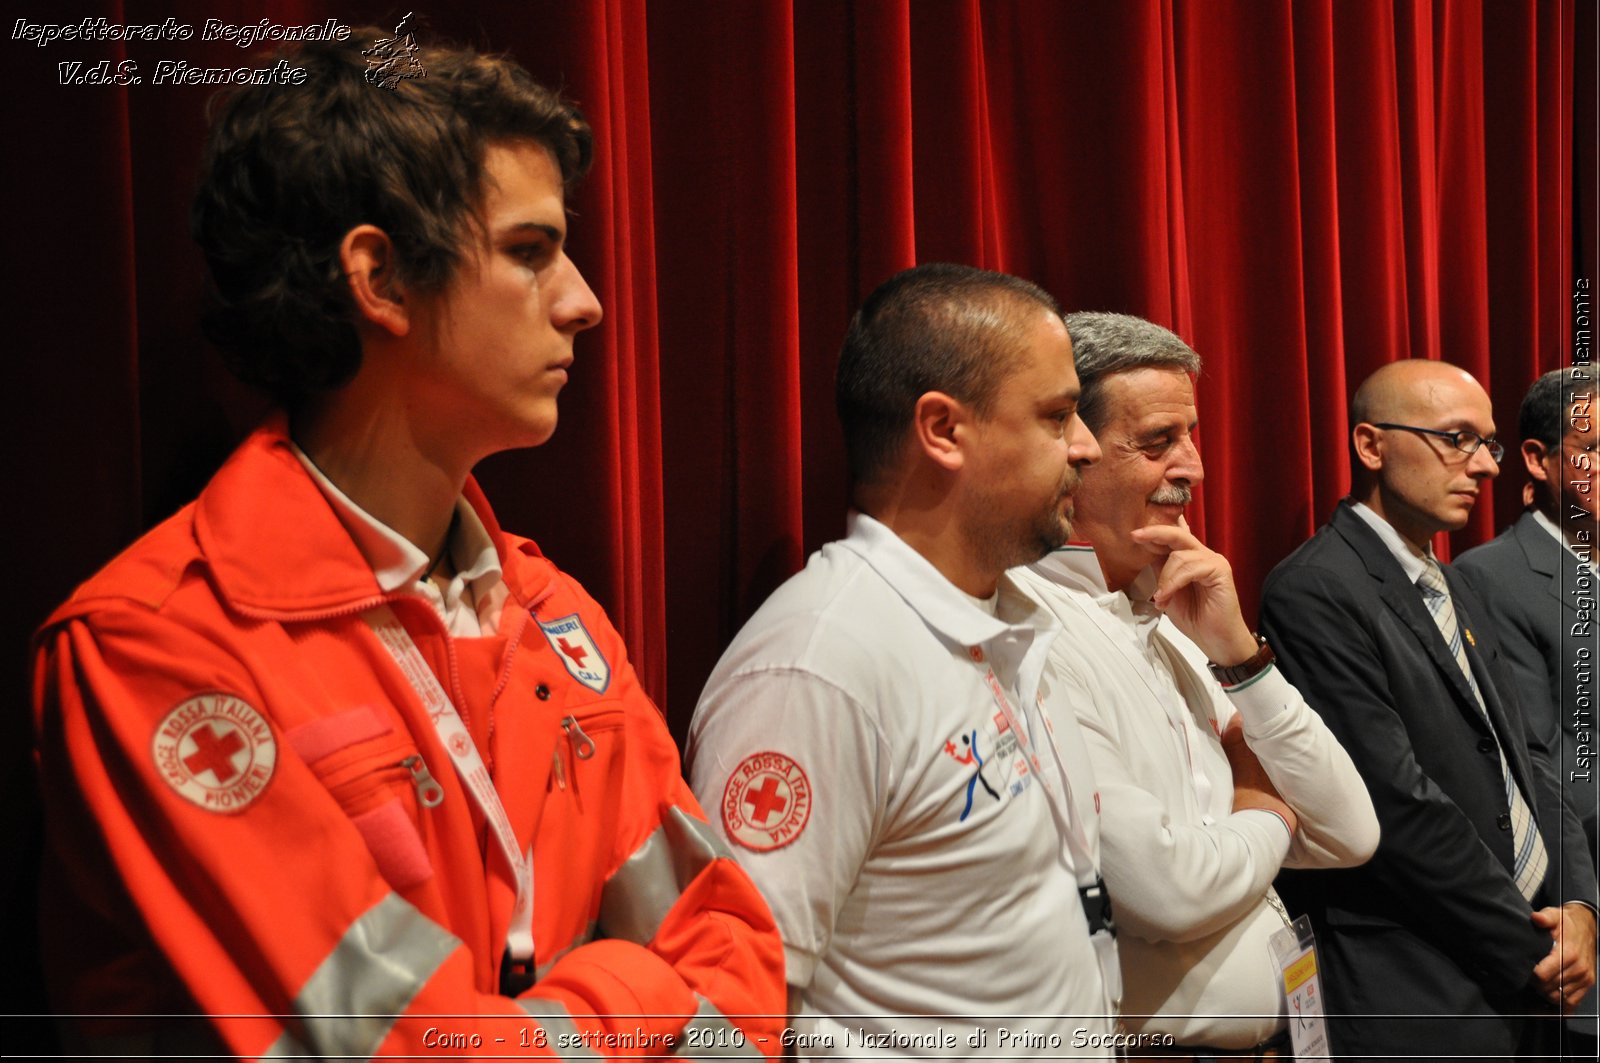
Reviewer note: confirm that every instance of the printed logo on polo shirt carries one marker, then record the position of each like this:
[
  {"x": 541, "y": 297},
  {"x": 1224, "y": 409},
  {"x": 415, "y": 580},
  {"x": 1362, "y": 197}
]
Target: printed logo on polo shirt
[
  {"x": 573, "y": 644},
  {"x": 997, "y": 766},
  {"x": 217, "y": 751},
  {"x": 767, "y": 802}
]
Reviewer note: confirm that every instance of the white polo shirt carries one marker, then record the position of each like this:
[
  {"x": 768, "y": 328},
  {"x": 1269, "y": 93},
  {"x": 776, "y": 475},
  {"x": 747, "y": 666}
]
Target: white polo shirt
[
  {"x": 1190, "y": 878},
  {"x": 850, "y": 748}
]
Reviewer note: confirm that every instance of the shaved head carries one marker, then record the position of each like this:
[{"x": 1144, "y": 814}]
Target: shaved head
[
  {"x": 1411, "y": 473},
  {"x": 1405, "y": 390}
]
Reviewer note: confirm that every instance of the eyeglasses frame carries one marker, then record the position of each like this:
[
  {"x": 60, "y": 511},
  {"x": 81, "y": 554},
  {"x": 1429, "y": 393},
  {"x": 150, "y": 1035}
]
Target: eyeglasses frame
[{"x": 1497, "y": 450}]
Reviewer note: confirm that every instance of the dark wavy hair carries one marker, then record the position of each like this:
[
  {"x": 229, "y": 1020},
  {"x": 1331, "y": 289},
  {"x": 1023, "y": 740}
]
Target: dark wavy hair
[{"x": 288, "y": 170}]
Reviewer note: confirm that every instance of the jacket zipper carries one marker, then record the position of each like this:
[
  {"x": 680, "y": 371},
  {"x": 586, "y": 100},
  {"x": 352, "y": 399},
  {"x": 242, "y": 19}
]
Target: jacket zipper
[
  {"x": 429, "y": 793},
  {"x": 580, "y": 745}
]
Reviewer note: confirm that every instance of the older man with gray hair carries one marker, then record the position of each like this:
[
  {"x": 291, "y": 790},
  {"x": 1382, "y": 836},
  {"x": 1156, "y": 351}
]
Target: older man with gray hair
[{"x": 1213, "y": 772}]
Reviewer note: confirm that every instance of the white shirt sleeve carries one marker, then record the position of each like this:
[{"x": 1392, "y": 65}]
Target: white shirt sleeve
[
  {"x": 836, "y": 746},
  {"x": 1172, "y": 878},
  {"x": 1312, "y": 772}
]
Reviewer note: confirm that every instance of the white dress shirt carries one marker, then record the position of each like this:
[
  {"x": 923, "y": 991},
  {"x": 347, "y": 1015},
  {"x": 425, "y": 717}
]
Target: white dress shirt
[{"x": 1190, "y": 878}]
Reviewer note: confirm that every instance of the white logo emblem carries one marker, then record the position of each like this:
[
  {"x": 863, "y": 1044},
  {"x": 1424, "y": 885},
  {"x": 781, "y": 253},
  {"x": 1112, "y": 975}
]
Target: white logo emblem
[
  {"x": 571, "y": 641},
  {"x": 216, "y": 751}
]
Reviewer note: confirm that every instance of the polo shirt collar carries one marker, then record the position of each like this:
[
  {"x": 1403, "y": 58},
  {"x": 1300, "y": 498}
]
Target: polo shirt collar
[
  {"x": 954, "y": 615},
  {"x": 1076, "y": 567},
  {"x": 1014, "y": 643}
]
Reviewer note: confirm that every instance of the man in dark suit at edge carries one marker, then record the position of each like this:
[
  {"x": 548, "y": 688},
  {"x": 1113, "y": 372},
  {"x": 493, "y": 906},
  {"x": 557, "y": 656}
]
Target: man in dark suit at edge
[
  {"x": 1461, "y": 929},
  {"x": 1531, "y": 578}
]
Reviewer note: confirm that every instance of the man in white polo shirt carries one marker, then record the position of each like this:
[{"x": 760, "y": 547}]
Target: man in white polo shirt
[
  {"x": 883, "y": 745},
  {"x": 1211, "y": 777}
]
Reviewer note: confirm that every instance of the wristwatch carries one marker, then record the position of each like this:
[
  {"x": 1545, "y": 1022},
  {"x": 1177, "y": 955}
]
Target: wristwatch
[{"x": 1257, "y": 663}]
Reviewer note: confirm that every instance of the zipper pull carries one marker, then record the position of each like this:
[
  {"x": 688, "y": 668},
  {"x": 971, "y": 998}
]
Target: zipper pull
[
  {"x": 582, "y": 745},
  {"x": 556, "y": 768},
  {"x": 429, "y": 793}
]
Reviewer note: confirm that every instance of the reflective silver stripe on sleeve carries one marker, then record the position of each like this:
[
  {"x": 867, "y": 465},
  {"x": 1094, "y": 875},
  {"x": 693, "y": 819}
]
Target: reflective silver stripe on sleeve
[
  {"x": 563, "y": 1034},
  {"x": 710, "y": 1035},
  {"x": 352, "y": 1000},
  {"x": 286, "y": 1047},
  {"x": 690, "y": 835},
  {"x": 637, "y": 898}
]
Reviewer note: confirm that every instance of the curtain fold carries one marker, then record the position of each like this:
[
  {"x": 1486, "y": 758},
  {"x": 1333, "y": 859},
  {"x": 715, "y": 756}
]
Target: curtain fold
[
  {"x": 1319, "y": 376},
  {"x": 1304, "y": 190}
]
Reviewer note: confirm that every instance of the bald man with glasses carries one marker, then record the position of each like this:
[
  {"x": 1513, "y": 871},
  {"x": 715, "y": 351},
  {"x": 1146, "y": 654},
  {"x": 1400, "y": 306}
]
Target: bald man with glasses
[{"x": 1462, "y": 937}]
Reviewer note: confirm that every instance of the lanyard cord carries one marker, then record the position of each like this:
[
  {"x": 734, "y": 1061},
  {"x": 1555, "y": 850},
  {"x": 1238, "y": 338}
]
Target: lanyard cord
[{"x": 469, "y": 765}]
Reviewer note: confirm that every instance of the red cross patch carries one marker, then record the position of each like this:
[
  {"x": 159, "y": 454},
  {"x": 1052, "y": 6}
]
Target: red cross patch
[
  {"x": 767, "y": 802},
  {"x": 216, "y": 751},
  {"x": 575, "y": 646}
]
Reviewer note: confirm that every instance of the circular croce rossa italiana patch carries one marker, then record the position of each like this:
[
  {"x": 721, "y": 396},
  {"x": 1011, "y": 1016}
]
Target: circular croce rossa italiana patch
[
  {"x": 217, "y": 751},
  {"x": 767, "y": 802}
]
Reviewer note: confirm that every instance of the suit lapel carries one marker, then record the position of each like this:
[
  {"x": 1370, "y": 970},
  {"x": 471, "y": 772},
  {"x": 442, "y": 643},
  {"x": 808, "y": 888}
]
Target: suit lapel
[
  {"x": 1405, "y": 601},
  {"x": 1546, "y": 557}
]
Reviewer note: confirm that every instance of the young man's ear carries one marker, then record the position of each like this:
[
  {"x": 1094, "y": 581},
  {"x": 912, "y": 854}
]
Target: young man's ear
[
  {"x": 940, "y": 424},
  {"x": 366, "y": 254}
]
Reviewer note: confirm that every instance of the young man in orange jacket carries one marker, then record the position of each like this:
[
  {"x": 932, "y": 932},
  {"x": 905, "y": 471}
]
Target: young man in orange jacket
[{"x": 328, "y": 758}]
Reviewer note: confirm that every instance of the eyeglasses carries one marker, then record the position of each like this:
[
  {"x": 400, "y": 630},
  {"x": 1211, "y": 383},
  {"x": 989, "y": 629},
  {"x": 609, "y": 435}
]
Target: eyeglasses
[{"x": 1466, "y": 442}]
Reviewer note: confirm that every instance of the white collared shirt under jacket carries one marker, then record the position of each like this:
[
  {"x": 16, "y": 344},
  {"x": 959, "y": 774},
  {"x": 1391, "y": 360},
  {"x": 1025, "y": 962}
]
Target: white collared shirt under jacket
[
  {"x": 927, "y": 898},
  {"x": 1190, "y": 878}
]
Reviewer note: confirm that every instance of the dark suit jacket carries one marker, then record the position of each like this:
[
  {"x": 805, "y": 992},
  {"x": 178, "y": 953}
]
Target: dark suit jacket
[
  {"x": 1433, "y": 924},
  {"x": 1530, "y": 585}
]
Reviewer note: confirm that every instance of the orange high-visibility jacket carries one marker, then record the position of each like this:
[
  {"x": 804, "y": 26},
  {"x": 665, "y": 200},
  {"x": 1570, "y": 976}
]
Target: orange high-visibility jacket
[{"x": 243, "y": 814}]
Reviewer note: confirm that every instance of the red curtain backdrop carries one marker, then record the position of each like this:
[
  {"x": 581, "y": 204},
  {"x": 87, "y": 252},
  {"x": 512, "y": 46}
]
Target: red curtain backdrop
[{"x": 1303, "y": 190}]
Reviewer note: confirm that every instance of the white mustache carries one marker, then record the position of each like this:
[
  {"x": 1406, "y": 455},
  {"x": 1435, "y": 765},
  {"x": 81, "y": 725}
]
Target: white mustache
[{"x": 1173, "y": 495}]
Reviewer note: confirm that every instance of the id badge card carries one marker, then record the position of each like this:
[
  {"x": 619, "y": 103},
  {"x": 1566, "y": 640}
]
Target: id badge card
[{"x": 1295, "y": 949}]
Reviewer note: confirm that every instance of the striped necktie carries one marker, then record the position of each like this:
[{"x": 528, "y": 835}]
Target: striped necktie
[{"x": 1531, "y": 859}]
